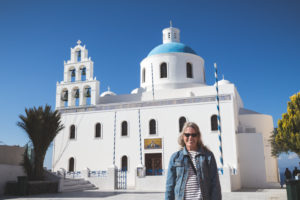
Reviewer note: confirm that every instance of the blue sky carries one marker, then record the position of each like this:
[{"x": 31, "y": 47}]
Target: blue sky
[{"x": 256, "y": 44}]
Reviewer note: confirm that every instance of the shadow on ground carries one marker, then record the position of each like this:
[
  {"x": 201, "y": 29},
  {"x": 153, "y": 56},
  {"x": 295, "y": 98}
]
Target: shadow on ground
[{"x": 79, "y": 194}]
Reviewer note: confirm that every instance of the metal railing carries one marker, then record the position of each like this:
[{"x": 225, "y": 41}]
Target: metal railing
[
  {"x": 74, "y": 175},
  {"x": 97, "y": 174},
  {"x": 121, "y": 179}
]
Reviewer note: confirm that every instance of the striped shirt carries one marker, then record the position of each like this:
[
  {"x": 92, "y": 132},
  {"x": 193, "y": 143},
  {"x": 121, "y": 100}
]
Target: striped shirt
[{"x": 192, "y": 188}]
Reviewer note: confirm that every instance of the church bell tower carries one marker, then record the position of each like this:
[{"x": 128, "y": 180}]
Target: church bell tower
[{"x": 79, "y": 88}]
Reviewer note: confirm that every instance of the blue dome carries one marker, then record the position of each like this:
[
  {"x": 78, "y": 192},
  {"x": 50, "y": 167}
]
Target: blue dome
[{"x": 171, "y": 48}]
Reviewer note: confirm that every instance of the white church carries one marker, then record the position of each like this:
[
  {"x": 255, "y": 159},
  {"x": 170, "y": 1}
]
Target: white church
[{"x": 140, "y": 129}]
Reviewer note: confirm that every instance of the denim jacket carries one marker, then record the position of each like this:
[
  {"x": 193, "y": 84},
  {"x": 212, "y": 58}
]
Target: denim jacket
[{"x": 207, "y": 175}]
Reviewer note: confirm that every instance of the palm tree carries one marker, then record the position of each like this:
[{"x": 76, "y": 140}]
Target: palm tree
[{"x": 41, "y": 125}]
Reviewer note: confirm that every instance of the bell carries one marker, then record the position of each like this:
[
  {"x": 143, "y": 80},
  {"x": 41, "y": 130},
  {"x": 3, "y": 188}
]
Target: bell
[
  {"x": 73, "y": 73},
  {"x": 77, "y": 94},
  {"x": 83, "y": 71},
  {"x": 64, "y": 96},
  {"x": 87, "y": 92}
]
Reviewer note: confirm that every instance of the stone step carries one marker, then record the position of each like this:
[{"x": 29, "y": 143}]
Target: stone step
[
  {"x": 79, "y": 188},
  {"x": 77, "y": 185},
  {"x": 273, "y": 185},
  {"x": 75, "y": 182}
]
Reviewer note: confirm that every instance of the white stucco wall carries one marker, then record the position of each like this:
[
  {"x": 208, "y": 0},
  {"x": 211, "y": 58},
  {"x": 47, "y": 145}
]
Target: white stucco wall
[
  {"x": 263, "y": 124},
  {"x": 97, "y": 154},
  {"x": 251, "y": 160},
  {"x": 176, "y": 70},
  {"x": 154, "y": 99}
]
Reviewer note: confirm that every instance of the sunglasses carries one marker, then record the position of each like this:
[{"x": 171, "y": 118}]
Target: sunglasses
[{"x": 190, "y": 134}]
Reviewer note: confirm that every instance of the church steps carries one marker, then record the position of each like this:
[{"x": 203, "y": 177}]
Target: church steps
[{"x": 77, "y": 185}]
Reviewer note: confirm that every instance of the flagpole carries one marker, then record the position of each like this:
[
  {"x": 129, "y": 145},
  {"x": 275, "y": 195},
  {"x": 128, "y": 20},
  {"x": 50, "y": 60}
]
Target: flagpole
[{"x": 219, "y": 119}]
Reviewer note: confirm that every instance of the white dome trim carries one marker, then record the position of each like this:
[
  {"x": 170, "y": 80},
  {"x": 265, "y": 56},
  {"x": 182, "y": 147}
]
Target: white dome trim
[{"x": 108, "y": 93}]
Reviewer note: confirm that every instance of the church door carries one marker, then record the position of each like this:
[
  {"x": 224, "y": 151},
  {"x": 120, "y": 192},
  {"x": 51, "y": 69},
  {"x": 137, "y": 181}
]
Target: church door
[{"x": 153, "y": 163}]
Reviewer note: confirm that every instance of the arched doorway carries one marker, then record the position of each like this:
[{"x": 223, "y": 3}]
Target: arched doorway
[{"x": 71, "y": 164}]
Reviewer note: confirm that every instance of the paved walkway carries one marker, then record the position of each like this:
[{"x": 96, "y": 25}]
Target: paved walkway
[{"x": 262, "y": 194}]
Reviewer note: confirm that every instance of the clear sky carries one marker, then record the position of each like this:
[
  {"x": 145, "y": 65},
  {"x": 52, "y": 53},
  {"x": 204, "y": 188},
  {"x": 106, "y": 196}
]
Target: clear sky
[{"x": 256, "y": 44}]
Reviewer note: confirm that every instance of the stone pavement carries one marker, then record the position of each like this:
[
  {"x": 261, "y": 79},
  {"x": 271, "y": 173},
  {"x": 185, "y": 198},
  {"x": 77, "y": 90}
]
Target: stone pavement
[{"x": 259, "y": 194}]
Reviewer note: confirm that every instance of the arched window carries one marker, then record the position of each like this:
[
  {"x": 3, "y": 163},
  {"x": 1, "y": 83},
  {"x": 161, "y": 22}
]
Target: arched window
[
  {"x": 98, "y": 130},
  {"x": 64, "y": 97},
  {"x": 78, "y": 55},
  {"x": 163, "y": 70},
  {"x": 144, "y": 75},
  {"x": 72, "y": 131},
  {"x": 152, "y": 127},
  {"x": 124, "y": 130},
  {"x": 83, "y": 74},
  {"x": 204, "y": 76},
  {"x": 214, "y": 123},
  {"x": 76, "y": 96},
  {"x": 182, "y": 121},
  {"x": 124, "y": 163},
  {"x": 189, "y": 70},
  {"x": 71, "y": 164},
  {"x": 87, "y": 95},
  {"x": 72, "y": 75}
]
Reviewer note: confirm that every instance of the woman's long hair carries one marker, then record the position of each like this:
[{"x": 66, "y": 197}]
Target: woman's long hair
[{"x": 196, "y": 128}]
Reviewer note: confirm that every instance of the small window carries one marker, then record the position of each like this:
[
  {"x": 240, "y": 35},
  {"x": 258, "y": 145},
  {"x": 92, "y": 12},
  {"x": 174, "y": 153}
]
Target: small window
[
  {"x": 72, "y": 132},
  {"x": 182, "y": 121},
  {"x": 124, "y": 162},
  {"x": 98, "y": 130},
  {"x": 144, "y": 75},
  {"x": 152, "y": 127},
  {"x": 71, "y": 164},
  {"x": 169, "y": 35},
  {"x": 163, "y": 70},
  {"x": 214, "y": 123},
  {"x": 124, "y": 131},
  {"x": 189, "y": 70}
]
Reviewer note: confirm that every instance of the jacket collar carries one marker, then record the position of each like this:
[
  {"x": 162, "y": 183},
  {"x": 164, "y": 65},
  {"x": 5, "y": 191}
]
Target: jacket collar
[{"x": 199, "y": 151}]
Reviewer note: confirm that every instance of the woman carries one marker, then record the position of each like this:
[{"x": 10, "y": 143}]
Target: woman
[{"x": 192, "y": 172}]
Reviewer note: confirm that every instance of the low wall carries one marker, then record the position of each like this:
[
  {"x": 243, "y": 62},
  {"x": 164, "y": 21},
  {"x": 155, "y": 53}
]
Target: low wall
[
  {"x": 108, "y": 182},
  {"x": 151, "y": 183},
  {"x": 9, "y": 173}
]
